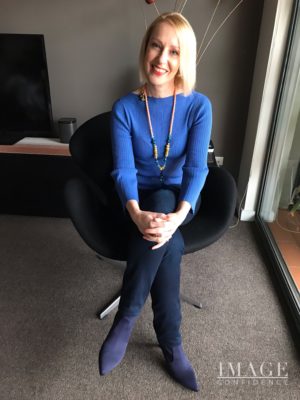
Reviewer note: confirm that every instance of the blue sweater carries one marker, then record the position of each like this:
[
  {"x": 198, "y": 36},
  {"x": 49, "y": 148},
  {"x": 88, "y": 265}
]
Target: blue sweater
[{"x": 134, "y": 164}]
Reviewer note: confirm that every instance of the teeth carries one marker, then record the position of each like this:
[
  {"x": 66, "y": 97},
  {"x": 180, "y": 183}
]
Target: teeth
[{"x": 159, "y": 69}]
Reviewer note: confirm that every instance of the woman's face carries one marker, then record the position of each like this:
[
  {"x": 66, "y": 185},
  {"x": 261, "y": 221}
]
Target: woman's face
[{"x": 162, "y": 57}]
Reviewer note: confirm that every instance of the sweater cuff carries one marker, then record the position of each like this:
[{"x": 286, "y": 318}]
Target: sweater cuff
[{"x": 126, "y": 185}]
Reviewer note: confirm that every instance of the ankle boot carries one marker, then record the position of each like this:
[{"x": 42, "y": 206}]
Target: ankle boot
[
  {"x": 115, "y": 344},
  {"x": 179, "y": 367}
]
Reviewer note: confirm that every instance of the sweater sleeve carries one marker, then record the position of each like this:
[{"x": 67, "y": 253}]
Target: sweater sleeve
[
  {"x": 124, "y": 171},
  {"x": 195, "y": 168}
]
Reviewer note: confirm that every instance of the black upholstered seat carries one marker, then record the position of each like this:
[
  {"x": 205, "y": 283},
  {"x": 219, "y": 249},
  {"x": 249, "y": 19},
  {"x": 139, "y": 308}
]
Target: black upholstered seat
[{"x": 95, "y": 208}]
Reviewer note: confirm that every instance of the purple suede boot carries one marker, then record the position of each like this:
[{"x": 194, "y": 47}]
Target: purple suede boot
[
  {"x": 115, "y": 344},
  {"x": 179, "y": 367}
]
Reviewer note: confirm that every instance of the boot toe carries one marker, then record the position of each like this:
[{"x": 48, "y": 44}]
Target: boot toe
[
  {"x": 180, "y": 368},
  {"x": 186, "y": 378},
  {"x": 107, "y": 362}
]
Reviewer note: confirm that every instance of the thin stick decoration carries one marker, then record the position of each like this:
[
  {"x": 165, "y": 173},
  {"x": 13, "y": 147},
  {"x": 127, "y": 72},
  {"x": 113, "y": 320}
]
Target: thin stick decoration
[
  {"x": 213, "y": 36},
  {"x": 180, "y": 5},
  {"x": 182, "y": 8},
  {"x": 156, "y": 8},
  {"x": 207, "y": 29},
  {"x": 144, "y": 15}
]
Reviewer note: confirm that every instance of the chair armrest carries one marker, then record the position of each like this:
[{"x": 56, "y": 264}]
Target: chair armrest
[
  {"x": 216, "y": 211},
  {"x": 93, "y": 220}
]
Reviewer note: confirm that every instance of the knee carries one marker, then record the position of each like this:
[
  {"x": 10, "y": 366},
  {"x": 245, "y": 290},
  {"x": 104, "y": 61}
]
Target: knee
[{"x": 176, "y": 244}]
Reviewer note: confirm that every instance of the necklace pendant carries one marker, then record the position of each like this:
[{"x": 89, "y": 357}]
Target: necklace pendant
[{"x": 142, "y": 95}]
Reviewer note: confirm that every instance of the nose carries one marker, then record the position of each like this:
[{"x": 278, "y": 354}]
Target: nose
[{"x": 163, "y": 56}]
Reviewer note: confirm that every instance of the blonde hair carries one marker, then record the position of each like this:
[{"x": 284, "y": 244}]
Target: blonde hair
[{"x": 186, "y": 76}]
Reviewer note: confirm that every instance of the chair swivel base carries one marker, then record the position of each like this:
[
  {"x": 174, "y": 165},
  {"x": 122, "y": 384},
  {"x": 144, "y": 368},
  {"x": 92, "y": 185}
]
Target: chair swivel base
[{"x": 116, "y": 300}]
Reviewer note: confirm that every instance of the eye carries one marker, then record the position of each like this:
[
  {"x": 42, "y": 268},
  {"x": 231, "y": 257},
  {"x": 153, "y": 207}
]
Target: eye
[
  {"x": 175, "y": 52},
  {"x": 155, "y": 45}
]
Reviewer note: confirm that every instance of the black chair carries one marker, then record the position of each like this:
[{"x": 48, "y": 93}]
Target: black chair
[{"x": 94, "y": 206}]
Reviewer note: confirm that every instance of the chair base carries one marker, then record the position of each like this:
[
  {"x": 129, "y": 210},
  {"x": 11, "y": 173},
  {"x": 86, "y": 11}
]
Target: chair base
[
  {"x": 110, "y": 306},
  {"x": 116, "y": 300},
  {"x": 191, "y": 301}
]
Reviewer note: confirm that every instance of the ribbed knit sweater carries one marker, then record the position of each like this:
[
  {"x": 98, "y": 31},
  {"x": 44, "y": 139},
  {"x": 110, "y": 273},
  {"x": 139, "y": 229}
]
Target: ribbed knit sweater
[{"x": 134, "y": 164}]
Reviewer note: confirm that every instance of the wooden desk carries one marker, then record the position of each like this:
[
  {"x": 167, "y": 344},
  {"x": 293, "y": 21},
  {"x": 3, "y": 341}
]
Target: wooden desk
[
  {"x": 33, "y": 174},
  {"x": 43, "y": 146}
]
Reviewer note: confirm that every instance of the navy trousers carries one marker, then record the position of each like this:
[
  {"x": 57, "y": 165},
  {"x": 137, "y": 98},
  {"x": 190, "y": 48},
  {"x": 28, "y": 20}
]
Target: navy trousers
[{"x": 155, "y": 271}]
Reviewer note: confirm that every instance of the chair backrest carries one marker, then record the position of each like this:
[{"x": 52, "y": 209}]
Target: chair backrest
[{"x": 90, "y": 147}]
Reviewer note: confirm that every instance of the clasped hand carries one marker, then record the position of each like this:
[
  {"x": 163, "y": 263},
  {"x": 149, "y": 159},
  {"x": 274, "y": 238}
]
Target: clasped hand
[{"x": 157, "y": 227}]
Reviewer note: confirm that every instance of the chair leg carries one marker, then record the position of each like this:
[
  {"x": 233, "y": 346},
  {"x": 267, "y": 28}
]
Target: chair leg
[
  {"x": 110, "y": 306},
  {"x": 116, "y": 300},
  {"x": 191, "y": 301}
]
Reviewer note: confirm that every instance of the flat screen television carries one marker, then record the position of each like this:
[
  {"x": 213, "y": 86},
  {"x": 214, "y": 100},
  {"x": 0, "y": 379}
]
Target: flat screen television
[{"x": 25, "y": 103}]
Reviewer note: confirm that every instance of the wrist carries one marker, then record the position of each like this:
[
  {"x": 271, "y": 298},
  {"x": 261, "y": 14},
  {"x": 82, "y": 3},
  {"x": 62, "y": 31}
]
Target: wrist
[
  {"x": 183, "y": 210},
  {"x": 133, "y": 209},
  {"x": 181, "y": 216}
]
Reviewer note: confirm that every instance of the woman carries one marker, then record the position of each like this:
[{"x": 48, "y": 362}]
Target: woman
[{"x": 160, "y": 138}]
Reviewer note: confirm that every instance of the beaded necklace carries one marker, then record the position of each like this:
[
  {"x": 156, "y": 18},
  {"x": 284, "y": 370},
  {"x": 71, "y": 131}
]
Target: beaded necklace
[{"x": 168, "y": 142}]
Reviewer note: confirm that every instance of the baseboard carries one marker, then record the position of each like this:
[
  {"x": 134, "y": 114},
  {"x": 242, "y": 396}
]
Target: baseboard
[{"x": 247, "y": 215}]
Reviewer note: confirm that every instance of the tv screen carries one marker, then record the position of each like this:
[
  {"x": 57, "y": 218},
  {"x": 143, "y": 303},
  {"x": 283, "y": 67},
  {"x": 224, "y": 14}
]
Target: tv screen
[{"x": 25, "y": 104}]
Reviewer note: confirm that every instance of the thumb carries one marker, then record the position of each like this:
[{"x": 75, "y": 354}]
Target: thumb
[{"x": 161, "y": 215}]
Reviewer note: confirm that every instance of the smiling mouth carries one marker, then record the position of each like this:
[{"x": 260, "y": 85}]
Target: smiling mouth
[{"x": 157, "y": 70}]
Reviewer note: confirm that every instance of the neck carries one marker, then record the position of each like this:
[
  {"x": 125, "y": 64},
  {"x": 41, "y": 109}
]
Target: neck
[{"x": 157, "y": 91}]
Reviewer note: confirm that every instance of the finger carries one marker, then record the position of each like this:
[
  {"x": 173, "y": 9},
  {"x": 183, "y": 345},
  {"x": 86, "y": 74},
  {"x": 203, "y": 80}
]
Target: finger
[
  {"x": 160, "y": 219},
  {"x": 161, "y": 216},
  {"x": 156, "y": 223},
  {"x": 153, "y": 231},
  {"x": 170, "y": 216},
  {"x": 152, "y": 239},
  {"x": 156, "y": 237},
  {"x": 161, "y": 243},
  {"x": 149, "y": 238},
  {"x": 159, "y": 231},
  {"x": 157, "y": 246}
]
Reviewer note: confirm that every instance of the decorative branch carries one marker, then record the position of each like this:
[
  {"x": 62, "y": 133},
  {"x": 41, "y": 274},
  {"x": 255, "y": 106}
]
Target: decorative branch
[
  {"x": 213, "y": 36},
  {"x": 156, "y": 8},
  {"x": 143, "y": 12},
  {"x": 182, "y": 8},
  {"x": 179, "y": 7},
  {"x": 208, "y": 26},
  {"x": 153, "y": 2}
]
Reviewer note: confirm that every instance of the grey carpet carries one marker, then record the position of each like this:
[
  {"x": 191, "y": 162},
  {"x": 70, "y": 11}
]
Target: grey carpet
[{"x": 51, "y": 285}]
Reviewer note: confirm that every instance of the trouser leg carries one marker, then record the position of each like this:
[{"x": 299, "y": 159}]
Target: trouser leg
[
  {"x": 165, "y": 294},
  {"x": 166, "y": 302},
  {"x": 142, "y": 266},
  {"x": 142, "y": 262}
]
